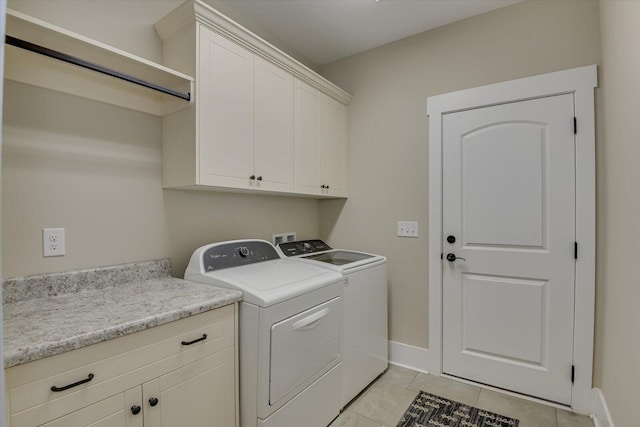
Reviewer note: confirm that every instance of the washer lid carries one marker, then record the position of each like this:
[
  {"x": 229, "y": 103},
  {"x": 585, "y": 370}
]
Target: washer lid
[
  {"x": 338, "y": 257},
  {"x": 270, "y": 282}
]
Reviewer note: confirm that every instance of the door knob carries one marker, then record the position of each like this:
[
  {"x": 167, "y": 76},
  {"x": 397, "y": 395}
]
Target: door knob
[{"x": 452, "y": 257}]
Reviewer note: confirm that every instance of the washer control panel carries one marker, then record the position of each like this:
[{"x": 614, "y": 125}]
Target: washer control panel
[
  {"x": 234, "y": 254},
  {"x": 303, "y": 247}
]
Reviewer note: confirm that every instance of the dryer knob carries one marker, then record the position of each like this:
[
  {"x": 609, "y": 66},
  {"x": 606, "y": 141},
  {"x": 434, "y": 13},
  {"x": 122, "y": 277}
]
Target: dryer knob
[{"x": 243, "y": 251}]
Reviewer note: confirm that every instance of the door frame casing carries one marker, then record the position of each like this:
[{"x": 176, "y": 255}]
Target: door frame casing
[{"x": 581, "y": 83}]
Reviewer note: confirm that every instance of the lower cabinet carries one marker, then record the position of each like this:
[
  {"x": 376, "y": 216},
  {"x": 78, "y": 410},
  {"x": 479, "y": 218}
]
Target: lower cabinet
[
  {"x": 198, "y": 395},
  {"x": 183, "y": 373}
]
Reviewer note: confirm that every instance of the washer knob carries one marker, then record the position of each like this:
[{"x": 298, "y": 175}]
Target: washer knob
[{"x": 243, "y": 251}]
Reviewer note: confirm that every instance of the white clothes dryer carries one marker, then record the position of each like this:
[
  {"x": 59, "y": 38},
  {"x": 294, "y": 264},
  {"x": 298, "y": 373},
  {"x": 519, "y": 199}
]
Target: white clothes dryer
[
  {"x": 365, "y": 330},
  {"x": 290, "y": 322}
]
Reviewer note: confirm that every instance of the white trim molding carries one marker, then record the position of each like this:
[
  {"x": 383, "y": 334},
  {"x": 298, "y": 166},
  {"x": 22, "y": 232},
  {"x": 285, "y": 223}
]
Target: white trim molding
[
  {"x": 581, "y": 83},
  {"x": 407, "y": 356},
  {"x": 601, "y": 416}
]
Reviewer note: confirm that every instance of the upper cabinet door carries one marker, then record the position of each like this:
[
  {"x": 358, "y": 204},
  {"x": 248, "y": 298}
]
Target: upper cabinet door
[
  {"x": 273, "y": 92},
  {"x": 225, "y": 112},
  {"x": 337, "y": 148},
  {"x": 309, "y": 131}
]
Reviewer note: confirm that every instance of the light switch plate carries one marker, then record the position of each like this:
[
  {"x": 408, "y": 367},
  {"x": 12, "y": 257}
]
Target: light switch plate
[
  {"x": 407, "y": 228},
  {"x": 53, "y": 242}
]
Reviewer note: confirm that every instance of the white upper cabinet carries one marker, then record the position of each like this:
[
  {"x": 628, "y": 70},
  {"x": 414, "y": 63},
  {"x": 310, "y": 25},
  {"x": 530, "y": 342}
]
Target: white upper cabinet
[
  {"x": 336, "y": 148},
  {"x": 273, "y": 107},
  {"x": 310, "y": 119},
  {"x": 225, "y": 112},
  {"x": 260, "y": 121},
  {"x": 321, "y": 138}
]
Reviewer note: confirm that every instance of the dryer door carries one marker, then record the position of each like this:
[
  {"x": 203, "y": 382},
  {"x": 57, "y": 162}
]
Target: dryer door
[{"x": 302, "y": 346}]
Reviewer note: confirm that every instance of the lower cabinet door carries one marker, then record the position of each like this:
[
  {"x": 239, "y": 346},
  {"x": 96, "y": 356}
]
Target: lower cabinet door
[
  {"x": 201, "y": 394},
  {"x": 116, "y": 411}
]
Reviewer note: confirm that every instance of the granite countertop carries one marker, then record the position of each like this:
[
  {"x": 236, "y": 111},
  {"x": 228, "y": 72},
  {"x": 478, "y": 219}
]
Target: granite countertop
[{"x": 50, "y": 314}]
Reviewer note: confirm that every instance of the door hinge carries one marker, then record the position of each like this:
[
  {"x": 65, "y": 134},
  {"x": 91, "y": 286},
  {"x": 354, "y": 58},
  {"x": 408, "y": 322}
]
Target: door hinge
[
  {"x": 573, "y": 373},
  {"x": 575, "y": 126},
  {"x": 575, "y": 250}
]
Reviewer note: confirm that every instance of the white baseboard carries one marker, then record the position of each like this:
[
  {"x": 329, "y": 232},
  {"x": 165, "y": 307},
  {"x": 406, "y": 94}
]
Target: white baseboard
[
  {"x": 599, "y": 409},
  {"x": 407, "y": 356}
]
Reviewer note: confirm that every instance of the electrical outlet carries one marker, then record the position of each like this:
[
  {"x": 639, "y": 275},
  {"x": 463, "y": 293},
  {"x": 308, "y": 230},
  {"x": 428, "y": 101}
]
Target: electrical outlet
[
  {"x": 283, "y": 237},
  {"x": 53, "y": 242},
  {"x": 407, "y": 228}
]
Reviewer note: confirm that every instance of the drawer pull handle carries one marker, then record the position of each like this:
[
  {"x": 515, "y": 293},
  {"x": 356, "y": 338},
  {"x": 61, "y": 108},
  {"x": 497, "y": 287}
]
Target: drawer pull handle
[
  {"x": 135, "y": 409},
  {"x": 153, "y": 401},
  {"x": 204, "y": 337},
  {"x": 67, "y": 387}
]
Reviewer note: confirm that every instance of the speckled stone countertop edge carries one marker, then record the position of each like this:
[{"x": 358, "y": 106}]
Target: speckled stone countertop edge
[{"x": 21, "y": 356}]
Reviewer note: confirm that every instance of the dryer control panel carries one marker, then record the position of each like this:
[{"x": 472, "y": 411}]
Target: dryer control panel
[
  {"x": 303, "y": 247},
  {"x": 241, "y": 252}
]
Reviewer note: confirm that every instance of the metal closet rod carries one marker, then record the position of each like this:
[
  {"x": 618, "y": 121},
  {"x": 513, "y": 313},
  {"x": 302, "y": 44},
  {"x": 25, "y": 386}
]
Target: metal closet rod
[{"x": 91, "y": 66}]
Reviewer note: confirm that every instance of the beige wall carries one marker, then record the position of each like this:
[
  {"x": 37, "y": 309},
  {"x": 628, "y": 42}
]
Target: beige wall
[
  {"x": 94, "y": 169},
  {"x": 617, "y": 315},
  {"x": 389, "y": 131}
]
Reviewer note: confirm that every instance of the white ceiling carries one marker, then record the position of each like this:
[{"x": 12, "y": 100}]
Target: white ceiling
[{"x": 327, "y": 30}]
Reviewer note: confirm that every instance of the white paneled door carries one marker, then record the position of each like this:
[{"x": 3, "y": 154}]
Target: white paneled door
[{"x": 508, "y": 246}]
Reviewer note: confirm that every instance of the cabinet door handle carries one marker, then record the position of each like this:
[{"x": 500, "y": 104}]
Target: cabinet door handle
[
  {"x": 135, "y": 409},
  {"x": 259, "y": 178},
  {"x": 153, "y": 401},
  {"x": 252, "y": 177},
  {"x": 327, "y": 187},
  {"x": 323, "y": 186},
  {"x": 202, "y": 338},
  {"x": 67, "y": 387}
]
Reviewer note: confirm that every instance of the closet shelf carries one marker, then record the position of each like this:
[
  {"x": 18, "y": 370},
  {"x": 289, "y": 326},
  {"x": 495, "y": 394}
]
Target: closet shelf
[{"x": 67, "y": 62}]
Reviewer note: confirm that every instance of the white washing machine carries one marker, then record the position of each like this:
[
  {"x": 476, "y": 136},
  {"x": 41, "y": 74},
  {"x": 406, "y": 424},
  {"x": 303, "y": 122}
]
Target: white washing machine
[
  {"x": 365, "y": 342},
  {"x": 290, "y": 322}
]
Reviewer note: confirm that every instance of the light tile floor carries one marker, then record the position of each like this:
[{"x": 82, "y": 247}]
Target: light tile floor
[{"x": 383, "y": 403}]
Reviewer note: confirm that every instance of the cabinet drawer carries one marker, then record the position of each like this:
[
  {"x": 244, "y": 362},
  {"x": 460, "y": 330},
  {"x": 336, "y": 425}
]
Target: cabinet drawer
[
  {"x": 116, "y": 365},
  {"x": 111, "y": 412}
]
